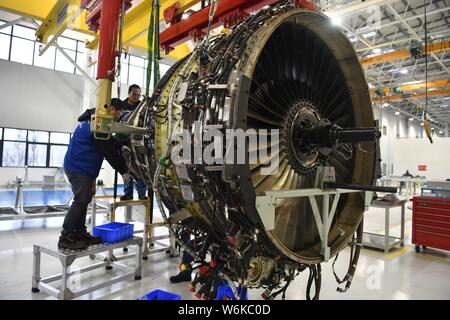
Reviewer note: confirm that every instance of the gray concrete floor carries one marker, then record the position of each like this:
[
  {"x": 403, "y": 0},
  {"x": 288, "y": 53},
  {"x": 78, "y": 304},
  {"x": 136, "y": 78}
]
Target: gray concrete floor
[{"x": 402, "y": 274}]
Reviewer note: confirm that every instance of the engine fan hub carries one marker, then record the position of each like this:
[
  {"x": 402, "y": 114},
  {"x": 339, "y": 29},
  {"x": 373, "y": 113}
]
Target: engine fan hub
[{"x": 303, "y": 157}]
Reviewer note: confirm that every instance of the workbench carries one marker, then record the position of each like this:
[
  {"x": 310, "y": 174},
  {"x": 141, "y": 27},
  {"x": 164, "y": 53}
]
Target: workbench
[
  {"x": 385, "y": 241},
  {"x": 412, "y": 185}
]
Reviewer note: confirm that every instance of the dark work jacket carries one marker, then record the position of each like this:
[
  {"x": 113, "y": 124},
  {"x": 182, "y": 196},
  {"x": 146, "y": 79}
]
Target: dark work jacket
[{"x": 130, "y": 106}]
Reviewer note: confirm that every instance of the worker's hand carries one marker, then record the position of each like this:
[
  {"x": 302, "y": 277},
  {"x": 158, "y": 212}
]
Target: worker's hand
[{"x": 126, "y": 178}]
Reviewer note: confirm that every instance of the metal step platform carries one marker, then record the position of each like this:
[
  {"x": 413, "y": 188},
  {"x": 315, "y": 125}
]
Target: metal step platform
[
  {"x": 151, "y": 243},
  {"x": 67, "y": 258}
]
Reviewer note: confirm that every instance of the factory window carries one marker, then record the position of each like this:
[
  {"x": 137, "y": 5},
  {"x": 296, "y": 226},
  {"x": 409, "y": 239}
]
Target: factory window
[
  {"x": 15, "y": 134},
  {"x": 13, "y": 154},
  {"x": 22, "y": 50},
  {"x": 37, "y": 155},
  {"x": 24, "y": 32},
  {"x": 136, "y": 75},
  {"x": 6, "y": 30},
  {"x": 137, "y": 61},
  {"x": 57, "y": 154},
  {"x": 47, "y": 60},
  {"x": 67, "y": 43},
  {"x": 124, "y": 69},
  {"x": 38, "y": 136},
  {"x": 4, "y": 46},
  {"x": 62, "y": 63},
  {"x": 20, "y": 147},
  {"x": 59, "y": 138},
  {"x": 163, "y": 68}
]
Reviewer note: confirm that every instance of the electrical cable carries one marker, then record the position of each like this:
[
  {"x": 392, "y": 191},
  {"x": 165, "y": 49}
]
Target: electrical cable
[{"x": 426, "y": 124}]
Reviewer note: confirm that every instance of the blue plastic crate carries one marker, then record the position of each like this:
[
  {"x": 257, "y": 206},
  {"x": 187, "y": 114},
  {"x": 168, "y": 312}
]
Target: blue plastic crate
[
  {"x": 160, "y": 295},
  {"x": 225, "y": 291},
  {"x": 114, "y": 232}
]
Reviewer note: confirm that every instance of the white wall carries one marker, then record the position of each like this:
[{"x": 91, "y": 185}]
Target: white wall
[
  {"x": 410, "y": 153},
  {"x": 398, "y": 127},
  {"x": 37, "y": 98},
  {"x": 405, "y": 147}
]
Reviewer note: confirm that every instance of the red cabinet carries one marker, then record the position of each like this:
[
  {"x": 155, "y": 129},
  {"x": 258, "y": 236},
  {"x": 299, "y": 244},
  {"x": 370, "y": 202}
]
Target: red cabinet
[{"x": 431, "y": 223}]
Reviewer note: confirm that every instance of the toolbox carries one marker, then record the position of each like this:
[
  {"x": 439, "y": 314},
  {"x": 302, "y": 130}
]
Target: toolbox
[{"x": 431, "y": 223}]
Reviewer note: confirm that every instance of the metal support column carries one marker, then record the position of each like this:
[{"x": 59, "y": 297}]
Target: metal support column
[
  {"x": 325, "y": 225},
  {"x": 386, "y": 230}
]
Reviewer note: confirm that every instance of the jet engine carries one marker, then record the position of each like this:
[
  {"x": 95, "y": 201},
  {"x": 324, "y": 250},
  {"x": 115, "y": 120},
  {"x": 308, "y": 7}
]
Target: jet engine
[{"x": 291, "y": 82}]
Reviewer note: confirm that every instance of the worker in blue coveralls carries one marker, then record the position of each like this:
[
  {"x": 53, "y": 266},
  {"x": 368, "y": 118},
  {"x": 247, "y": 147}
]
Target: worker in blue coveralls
[
  {"x": 82, "y": 164},
  {"x": 134, "y": 93}
]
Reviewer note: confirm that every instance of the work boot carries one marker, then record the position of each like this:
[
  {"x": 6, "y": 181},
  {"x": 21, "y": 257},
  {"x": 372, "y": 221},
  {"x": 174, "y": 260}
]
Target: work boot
[
  {"x": 181, "y": 277},
  {"x": 126, "y": 197},
  {"x": 71, "y": 242},
  {"x": 89, "y": 239}
]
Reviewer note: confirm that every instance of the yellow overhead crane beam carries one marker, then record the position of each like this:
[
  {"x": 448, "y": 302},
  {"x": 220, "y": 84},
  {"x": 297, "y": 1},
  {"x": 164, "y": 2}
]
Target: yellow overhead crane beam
[
  {"x": 135, "y": 25},
  {"x": 65, "y": 14},
  {"x": 399, "y": 97},
  {"x": 36, "y": 9},
  {"x": 404, "y": 53},
  {"x": 412, "y": 87},
  {"x": 40, "y": 10}
]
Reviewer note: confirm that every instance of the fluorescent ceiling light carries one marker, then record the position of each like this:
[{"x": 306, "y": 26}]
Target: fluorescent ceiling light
[
  {"x": 397, "y": 113},
  {"x": 421, "y": 124},
  {"x": 337, "y": 21},
  {"x": 376, "y": 50},
  {"x": 411, "y": 119},
  {"x": 404, "y": 71},
  {"x": 441, "y": 132},
  {"x": 384, "y": 105},
  {"x": 410, "y": 82},
  {"x": 369, "y": 34}
]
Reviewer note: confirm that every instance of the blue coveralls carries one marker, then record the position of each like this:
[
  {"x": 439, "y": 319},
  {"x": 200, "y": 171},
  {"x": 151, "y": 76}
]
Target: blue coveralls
[
  {"x": 82, "y": 164},
  {"x": 140, "y": 185}
]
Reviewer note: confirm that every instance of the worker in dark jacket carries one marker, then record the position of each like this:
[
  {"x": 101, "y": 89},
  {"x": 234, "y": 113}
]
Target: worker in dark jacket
[
  {"x": 134, "y": 95},
  {"x": 82, "y": 164}
]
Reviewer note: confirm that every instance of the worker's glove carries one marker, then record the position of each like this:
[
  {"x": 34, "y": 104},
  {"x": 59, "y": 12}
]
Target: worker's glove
[{"x": 126, "y": 178}]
